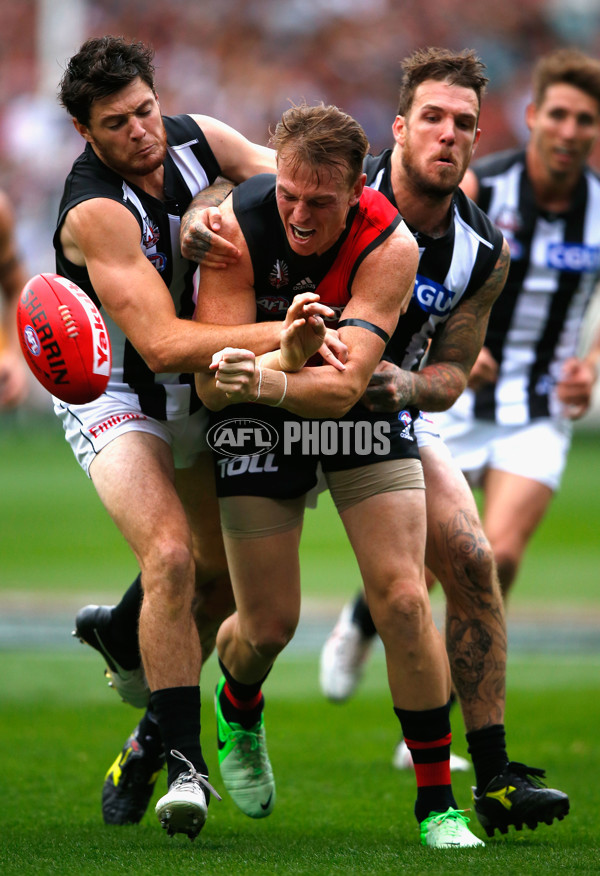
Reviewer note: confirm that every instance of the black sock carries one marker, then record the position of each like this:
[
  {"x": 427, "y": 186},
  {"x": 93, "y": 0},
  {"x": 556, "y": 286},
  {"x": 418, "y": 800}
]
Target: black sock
[
  {"x": 487, "y": 748},
  {"x": 362, "y": 617},
  {"x": 177, "y": 711},
  {"x": 241, "y": 703},
  {"x": 148, "y": 734},
  {"x": 121, "y": 637}
]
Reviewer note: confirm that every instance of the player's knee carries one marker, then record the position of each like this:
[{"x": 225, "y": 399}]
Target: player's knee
[
  {"x": 469, "y": 571},
  {"x": 479, "y": 564},
  {"x": 168, "y": 572},
  {"x": 405, "y": 611},
  {"x": 269, "y": 640}
]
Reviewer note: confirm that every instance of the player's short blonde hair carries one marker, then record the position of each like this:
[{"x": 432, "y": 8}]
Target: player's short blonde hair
[{"x": 323, "y": 138}]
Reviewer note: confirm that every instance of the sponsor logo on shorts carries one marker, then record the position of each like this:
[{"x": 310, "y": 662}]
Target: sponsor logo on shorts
[
  {"x": 111, "y": 422},
  {"x": 242, "y": 437},
  {"x": 240, "y": 465},
  {"x": 406, "y": 419}
]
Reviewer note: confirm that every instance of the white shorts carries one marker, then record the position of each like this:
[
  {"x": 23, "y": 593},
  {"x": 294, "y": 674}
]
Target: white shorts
[
  {"x": 536, "y": 450},
  {"x": 426, "y": 431},
  {"x": 89, "y": 428}
]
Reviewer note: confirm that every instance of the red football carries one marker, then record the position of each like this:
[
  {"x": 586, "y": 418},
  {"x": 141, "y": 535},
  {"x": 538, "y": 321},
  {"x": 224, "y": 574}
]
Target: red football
[{"x": 64, "y": 338}]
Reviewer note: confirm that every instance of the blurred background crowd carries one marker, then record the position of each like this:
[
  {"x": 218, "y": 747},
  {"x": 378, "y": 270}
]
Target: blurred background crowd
[{"x": 243, "y": 60}]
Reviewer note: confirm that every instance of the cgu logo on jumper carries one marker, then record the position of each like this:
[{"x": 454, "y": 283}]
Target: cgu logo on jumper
[
  {"x": 242, "y": 437},
  {"x": 575, "y": 257},
  {"x": 432, "y": 297}
]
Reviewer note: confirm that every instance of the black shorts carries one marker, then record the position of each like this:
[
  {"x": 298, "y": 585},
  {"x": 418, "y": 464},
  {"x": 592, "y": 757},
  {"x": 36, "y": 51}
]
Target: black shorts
[{"x": 264, "y": 451}]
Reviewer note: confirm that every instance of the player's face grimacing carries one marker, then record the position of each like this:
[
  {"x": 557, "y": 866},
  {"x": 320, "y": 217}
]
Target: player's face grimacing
[
  {"x": 127, "y": 131},
  {"x": 313, "y": 208},
  {"x": 438, "y": 136}
]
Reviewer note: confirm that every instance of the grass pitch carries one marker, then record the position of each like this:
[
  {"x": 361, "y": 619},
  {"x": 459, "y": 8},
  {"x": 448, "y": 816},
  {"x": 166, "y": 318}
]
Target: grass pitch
[{"x": 341, "y": 807}]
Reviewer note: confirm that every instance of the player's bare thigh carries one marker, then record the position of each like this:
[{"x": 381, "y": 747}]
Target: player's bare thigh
[
  {"x": 262, "y": 540},
  {"x": 514, "y": 508},
  {"x": 134, "y": 477},
  {"x": 387, "y": 532},
  {"x": 196, "y": 488},
  {"x": 214, "y": 597}
]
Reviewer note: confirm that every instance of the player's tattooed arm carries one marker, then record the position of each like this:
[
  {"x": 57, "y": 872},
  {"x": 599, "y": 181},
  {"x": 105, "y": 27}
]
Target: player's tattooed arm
[
  {"x": 455, "y": 347},
  {"x": 200, "y": 225},
  {"x": 452, "y": 353}
]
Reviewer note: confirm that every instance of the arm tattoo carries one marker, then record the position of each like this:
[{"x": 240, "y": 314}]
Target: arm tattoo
[
  {"x": 197, "y": 240},
  {"x": 456, "y": 344},
  {"x": 212, "y": 196}
]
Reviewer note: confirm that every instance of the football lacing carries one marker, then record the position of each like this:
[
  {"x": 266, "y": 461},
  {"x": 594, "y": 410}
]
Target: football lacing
[{"x": 71, "y": 326}]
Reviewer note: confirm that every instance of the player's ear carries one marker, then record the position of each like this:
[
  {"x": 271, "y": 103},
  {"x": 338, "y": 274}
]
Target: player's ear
[
  {"x": 82, "y": 130},
  {"x": 357, "y": 189},
  {"x": 530, "y": 114},
  {"x": 398, "y": 130}
]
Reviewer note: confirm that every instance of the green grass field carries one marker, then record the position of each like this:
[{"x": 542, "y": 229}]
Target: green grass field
[{"x": 341, "y": 807}]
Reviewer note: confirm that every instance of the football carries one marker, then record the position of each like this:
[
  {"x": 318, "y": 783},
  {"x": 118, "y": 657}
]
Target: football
[{"x": 64, "y": 338}]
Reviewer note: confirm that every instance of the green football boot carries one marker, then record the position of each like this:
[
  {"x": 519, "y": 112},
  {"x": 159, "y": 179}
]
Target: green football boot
[{"x": 244, "y": 763}]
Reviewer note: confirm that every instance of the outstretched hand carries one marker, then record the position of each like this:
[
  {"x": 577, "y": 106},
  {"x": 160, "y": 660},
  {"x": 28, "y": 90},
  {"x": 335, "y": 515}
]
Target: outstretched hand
[{"x": 304, "y": 333}]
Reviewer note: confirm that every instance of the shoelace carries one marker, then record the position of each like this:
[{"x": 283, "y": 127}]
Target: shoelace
[
  {"x": 194, "y": 775},
  {"x": 453, "y": 819},
  {"x": 533, "y": 775},
  {"x": 248, "y": 748}
]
